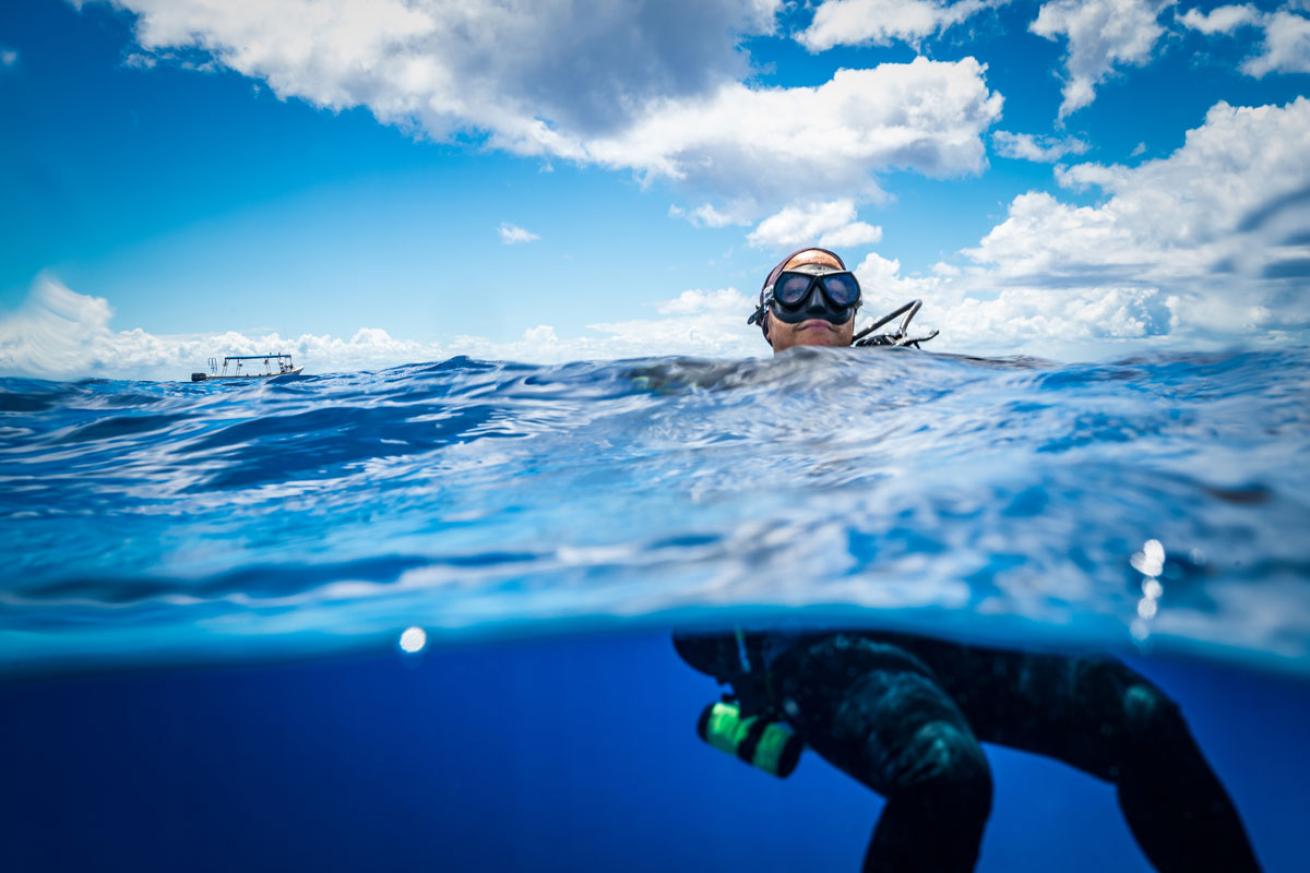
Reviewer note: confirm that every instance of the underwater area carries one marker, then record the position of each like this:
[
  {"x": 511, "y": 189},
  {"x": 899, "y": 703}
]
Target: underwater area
[{"x": 422, "y": 616}]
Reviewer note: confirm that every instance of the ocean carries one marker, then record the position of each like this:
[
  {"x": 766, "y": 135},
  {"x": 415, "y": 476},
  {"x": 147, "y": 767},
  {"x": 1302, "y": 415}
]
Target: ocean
[{"x": 422, "y": 616}]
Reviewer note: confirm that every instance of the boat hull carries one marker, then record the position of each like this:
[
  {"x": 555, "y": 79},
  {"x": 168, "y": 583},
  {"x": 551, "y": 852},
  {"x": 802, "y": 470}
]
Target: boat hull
[{"x": 206, "y": 377}]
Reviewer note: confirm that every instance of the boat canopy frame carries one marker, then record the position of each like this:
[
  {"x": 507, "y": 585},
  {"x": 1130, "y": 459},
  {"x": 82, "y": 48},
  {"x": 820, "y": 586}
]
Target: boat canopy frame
[{"x": 283, "y": 363}]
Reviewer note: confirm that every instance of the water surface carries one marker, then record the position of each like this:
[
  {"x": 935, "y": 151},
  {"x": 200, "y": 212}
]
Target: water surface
[{"x": 1007, "y": 500}]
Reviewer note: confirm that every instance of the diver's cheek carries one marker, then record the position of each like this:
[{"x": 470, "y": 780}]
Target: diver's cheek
[{"x": 784, "y": 336}]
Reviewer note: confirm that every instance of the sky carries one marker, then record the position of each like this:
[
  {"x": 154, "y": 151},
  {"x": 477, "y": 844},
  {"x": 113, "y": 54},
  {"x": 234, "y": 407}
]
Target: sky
[{"x": 372, "y": 182}]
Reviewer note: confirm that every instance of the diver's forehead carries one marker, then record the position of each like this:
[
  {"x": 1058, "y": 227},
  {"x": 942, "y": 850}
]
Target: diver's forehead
[
  {"x": 815, "y": 269},
  {"x": 813, "y": 257}
]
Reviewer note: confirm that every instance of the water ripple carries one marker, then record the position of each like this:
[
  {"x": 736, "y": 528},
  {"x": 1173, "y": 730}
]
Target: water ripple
[{"x": 989, "y": 497}]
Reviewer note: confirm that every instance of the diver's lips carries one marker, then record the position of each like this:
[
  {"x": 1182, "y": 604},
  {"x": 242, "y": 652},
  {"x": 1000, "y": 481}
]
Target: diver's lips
[{"x": 814, "y": 323}]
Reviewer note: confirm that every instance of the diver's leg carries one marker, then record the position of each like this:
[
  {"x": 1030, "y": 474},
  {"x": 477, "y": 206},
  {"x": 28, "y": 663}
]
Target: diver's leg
[
  {"x": 1179, "y": 812},
  {"x": 1106, "y": 719},
  {"x": 876, "y": 713}
]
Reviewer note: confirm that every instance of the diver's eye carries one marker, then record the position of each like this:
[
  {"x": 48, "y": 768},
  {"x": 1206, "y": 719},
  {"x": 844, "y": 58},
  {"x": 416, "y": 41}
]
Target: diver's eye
[
  {"x": 792, "y": 289},
  {"x": 842, "y": 288}
]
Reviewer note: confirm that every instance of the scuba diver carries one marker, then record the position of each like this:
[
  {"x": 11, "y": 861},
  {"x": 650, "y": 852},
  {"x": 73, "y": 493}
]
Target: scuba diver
[{"x": 905, "y": 714}]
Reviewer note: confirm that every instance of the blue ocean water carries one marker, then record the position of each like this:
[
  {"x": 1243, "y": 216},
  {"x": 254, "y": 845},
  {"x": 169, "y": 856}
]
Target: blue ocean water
[
  {"x": 170, "y": 546},
  {"x": 990, "y": 498}
]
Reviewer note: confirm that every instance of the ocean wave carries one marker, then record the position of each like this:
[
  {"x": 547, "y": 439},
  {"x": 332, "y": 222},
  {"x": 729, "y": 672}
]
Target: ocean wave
[{"x": 995, "y": 498}]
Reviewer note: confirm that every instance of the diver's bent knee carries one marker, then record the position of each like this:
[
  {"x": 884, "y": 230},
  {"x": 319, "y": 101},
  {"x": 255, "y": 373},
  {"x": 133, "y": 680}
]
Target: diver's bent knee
[
  {"x": 1150, "y": 715},
  {"x": 945, "y": 761},
  {"x": 1130, "y": 705}
]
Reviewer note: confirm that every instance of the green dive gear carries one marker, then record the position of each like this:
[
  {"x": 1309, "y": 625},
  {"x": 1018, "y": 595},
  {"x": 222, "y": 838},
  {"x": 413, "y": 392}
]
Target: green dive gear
[{"x": 770, "y": 745}]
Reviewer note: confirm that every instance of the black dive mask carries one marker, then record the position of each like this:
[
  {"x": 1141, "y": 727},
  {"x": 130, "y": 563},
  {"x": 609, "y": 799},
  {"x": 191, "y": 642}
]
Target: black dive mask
[{"x": 811, "y": 292}]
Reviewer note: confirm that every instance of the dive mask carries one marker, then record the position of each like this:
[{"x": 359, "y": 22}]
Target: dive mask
[{"x": 810, "y": 291}]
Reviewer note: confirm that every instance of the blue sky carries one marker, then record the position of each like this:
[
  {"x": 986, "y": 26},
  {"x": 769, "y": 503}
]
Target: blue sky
[{"x": 183, "y": 178}]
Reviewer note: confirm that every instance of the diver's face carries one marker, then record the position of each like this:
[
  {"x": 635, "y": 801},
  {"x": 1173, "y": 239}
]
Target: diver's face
[{"x": 810, "y": 331}]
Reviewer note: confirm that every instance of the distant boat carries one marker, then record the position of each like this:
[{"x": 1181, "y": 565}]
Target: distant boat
[{"x": 234, "y": 368}]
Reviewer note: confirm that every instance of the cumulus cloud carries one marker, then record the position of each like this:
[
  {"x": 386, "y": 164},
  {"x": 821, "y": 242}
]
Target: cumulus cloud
[
  {"x": 884, "y": 288},
  {"x": 1102, "y": 34},
  {"x": 1224, "y": 19},
  {"x": 496, "y": 65},
  {"x": 1054, "y": 324},
  {"x": 1285, "y": 42},
  {"x": 512, "y": 234},
  {"x": 139, "y": 61},
  {"x": 60, "y": 334},
  {"x": 976, "y": 317},
  {"x": 1286, "y": 46},
  {"x": 698, "y": 302},
  {"x": 828, "y": 224},
  {"x": 880, "y": 22},
  {"x": 769, "y": 145},
  {"x": 1036, "y": 147},
  {"x": 1179, "y": 215},
  {"x": 697, "y": 323},
  {"x": 656, "y": 88},
  {"x": 1210, "y": 244},
  {"x": 707, "y": 215}
]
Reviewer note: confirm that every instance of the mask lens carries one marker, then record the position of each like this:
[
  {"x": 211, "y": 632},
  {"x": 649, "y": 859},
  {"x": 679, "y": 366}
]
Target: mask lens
[
  {"x": 791, "y": 288},
  {"x": 842, "y": 288}
]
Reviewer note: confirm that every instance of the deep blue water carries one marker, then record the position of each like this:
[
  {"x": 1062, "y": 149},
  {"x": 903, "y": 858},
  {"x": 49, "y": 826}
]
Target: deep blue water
[{"x": 205, "y": 585}]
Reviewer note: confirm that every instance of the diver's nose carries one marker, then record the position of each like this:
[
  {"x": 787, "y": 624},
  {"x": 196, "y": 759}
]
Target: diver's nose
[{"x": 814, "y": 302}]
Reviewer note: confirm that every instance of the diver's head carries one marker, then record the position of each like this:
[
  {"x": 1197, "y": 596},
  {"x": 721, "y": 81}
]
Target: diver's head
[{"x": 809, "y": 299}]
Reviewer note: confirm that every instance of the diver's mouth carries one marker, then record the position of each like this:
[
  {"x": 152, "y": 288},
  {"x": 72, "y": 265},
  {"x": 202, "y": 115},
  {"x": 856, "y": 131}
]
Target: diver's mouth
[{"x": 814, "y": 324}]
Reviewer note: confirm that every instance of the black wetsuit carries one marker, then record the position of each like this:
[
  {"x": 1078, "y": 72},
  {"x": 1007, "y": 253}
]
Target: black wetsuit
[{"x": 904, "y": 715}]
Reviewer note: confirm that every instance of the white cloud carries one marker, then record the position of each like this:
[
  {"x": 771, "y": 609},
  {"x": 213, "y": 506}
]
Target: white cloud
[
  {"x": 657, "y": 88},
  {"x": 853, "y": 235},
  {"x": 830, "y": 225},
  {"x": 1054, "y": 323},
  {"x": 512, "y": 234},
  {"x": 1035, "y": 147},
  {"x": 1059, "y": 323},
  {"x": 1285, "y": 44},
  {"x": 696, "y": 323},
  {"x": 1208, "y": 246},
  {"x": 58, "y": 333},
  {"x": 1183, "y": 213},
  {"x": 1102, "y": 34},
  {"x": 61, "y": 334},
  {"x": 879, "y": 22},
  {"x": 770, "y": 145},
  {"x": 696, "y": 302},
  {"x": 884, "y": 287},
  {"x": 1223, "y": 19},
  {"x": 707, "y": 215},
  {"x": 140, "y": 61},
  {"x": 495, "y": 66}
]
